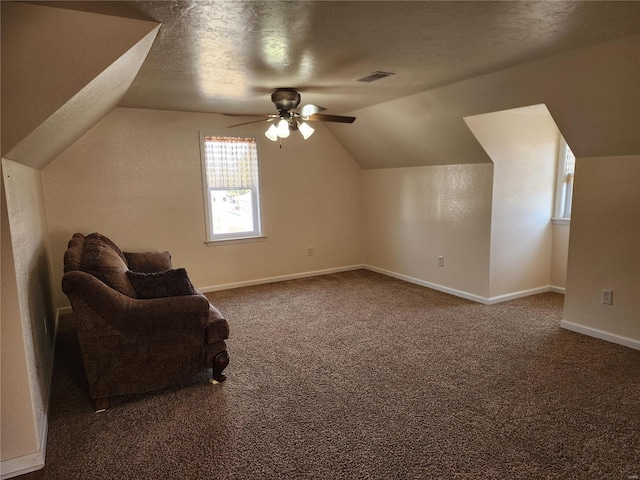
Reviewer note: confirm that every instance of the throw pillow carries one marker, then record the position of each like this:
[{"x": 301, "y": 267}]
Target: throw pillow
[
  {"x": 170, "y": 283},
  {"x": 148, "y": 262}
]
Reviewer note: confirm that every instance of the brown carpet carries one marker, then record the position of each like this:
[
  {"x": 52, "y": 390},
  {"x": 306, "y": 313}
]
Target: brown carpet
[{"x": 361, "y": 376}]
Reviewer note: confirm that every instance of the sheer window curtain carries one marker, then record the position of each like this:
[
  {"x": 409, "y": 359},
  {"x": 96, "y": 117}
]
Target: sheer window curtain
[{"x": 231, "y": 163}]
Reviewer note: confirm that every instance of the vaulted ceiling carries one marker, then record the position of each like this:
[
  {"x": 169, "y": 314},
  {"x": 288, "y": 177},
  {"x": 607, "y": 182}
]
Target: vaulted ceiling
[{"x": 227, "y": 57}]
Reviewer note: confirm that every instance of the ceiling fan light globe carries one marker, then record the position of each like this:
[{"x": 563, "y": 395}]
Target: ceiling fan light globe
[
  {"x": 283, "y": 128},
  {"x": 305, "y": 130},
  {"x": 309, "y": 109},
  {"x": 272, "y": 133}
]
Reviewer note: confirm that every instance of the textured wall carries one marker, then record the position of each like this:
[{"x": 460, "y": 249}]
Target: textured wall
[
  {"x": 29, "y": 316},
  {"x": 523, "y": 145},
  {"x": 414, "y": 215},
  {"x": 136, "y": 177},
  {"x": 559, "y": 255},
  {"x": 604, "y": 247},
  {"x": 18, "y": 426}
]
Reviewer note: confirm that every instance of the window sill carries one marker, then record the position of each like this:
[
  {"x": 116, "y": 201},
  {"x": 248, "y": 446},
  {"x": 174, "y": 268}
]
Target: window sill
[
  {"x": 561, "y": 221},
  {"x": 234, "y": 241}
]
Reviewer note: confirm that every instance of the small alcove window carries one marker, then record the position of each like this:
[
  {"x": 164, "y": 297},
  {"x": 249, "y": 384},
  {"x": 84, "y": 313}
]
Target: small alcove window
[{"x": 564, "y": 189}]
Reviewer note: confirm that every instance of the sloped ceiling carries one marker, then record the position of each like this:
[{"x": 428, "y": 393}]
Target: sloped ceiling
[
  {"x": 62, "y": 71},
  {"x": 593, "y": 95}
]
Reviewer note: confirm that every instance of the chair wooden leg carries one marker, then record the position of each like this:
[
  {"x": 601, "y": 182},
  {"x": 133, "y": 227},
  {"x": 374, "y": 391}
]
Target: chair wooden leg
[
  {"x": 220, "y": 362},
  {"x": 101, "y": 404}
]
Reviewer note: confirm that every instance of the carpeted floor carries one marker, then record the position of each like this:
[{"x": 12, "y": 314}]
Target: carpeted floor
[{"x": 360, "y": 376}]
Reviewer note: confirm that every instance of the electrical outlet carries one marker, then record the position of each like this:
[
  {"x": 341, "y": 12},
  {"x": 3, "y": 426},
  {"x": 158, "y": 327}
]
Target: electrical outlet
[
  {"x": 441, "y": 261},
  {"x": 310, "y": 251},
  {"x": 607, "y": 297}
]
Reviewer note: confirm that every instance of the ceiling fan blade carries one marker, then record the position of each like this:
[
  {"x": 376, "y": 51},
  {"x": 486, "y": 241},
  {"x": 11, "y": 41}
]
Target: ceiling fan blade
[
  {"x": 248, "y": 123},
  {"x": 248, "y": 115},
  {"x": 332, "y": 118}
]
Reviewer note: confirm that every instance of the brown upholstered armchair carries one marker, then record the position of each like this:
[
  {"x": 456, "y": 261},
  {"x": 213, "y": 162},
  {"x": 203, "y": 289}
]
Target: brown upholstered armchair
[{"x": 138, "y": 331}]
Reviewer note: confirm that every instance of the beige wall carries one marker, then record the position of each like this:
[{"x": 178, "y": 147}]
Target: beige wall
[
  {"x": 523, "y": 145},
  {"x": 414, "y": 215},
  {"x": 136, "y": 177},
  {"x": 18, "y": 424},
  {"x": 27, "y": 315},
  {"x": 559, "y": 256},
  {"x": 604, "y": 249}
]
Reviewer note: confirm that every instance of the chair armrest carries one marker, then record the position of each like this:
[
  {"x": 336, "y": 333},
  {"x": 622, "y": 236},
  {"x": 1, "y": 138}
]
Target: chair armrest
[{"x": 185, "y": 314}]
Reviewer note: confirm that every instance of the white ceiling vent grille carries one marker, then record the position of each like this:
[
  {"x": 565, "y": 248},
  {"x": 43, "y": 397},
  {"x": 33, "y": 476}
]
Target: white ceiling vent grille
[{"x": 375, "y": 76}]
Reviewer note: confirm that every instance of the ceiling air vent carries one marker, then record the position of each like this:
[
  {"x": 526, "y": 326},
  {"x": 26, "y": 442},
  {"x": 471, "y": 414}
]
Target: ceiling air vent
[{"x": 375, "y": 76}]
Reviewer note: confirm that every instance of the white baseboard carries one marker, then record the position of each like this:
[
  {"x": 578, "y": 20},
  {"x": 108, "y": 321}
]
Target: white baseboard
[
  {"x": 22, "y": 465},
  {"x": 31, "y": 462},
  {"x": 35, "y": 461},
  {"x": 281, "y": 278},
  {"x": 466, "y": 295},
  {"x": 599, "y": 334},
  {"x": 513, "y": 295},
  {"x": 417, "y": 281},
  {"x": 433, "y": 286}
]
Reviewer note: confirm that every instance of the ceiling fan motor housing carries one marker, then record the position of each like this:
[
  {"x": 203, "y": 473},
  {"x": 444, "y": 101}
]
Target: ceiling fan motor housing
[{"x": 285, "y": 99}]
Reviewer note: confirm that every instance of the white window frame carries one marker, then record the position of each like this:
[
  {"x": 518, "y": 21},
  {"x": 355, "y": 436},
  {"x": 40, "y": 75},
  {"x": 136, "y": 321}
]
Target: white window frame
[
  {"x": 212, "y": 238},
  {"x": 564, "y": 189}
]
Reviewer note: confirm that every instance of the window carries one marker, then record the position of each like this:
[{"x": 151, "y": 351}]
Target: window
[
  {"x": 231, "y": 187},
  {"x": 564, "y": 191}
]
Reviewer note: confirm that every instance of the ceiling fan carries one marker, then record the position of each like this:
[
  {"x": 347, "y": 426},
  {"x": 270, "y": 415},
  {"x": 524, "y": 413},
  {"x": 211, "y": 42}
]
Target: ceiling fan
[{"x": 288, "y": 118}]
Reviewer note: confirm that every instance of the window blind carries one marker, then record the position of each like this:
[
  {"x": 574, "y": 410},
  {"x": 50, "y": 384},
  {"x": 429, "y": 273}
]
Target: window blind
[{"x": 569, "y": 165}]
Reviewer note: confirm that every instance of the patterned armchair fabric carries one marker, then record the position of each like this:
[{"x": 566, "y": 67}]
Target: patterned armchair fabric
[{"x": 130, "y": 344}]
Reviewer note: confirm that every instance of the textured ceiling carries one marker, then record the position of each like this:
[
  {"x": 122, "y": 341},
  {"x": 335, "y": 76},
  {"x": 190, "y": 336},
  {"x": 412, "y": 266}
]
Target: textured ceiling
[{"x": 227, "y": 56}]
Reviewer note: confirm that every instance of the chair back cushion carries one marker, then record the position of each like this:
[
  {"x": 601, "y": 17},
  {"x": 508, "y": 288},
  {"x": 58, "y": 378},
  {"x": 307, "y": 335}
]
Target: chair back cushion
[
  {"x": 114, "y": 271},
  {"x": 99, "y": 256},
  {"x": 73, "y": 255}
]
